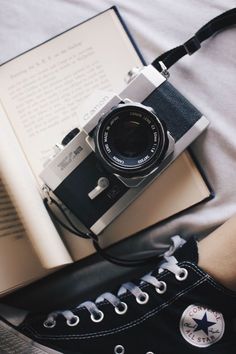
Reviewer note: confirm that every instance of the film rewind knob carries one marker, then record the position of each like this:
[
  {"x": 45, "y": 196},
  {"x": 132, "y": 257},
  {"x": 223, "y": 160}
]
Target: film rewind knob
[{"x": 102, "y": 184}]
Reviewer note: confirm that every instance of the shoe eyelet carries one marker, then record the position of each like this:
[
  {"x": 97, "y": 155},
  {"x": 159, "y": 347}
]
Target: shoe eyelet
[
  {"x": 119, "y": 349},
  {"x": 98, "y": 317},
  {"x": 142, "y": 298},
  {"x": 49, "y": 323},
  {"x": 182, "y": 275},
  {"x": 73, "y": 321},
  {"x": 123, "y": 310},
  {"x": 162, "y": 288}
]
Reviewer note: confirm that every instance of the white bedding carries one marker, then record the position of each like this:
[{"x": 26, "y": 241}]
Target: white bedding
[{"x": 207, "y": 78}]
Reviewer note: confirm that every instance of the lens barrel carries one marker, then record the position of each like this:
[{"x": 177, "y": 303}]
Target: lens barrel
[{"x": 130, "y": 140}]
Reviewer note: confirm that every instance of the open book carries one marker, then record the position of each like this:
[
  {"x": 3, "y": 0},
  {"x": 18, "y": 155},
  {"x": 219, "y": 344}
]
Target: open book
[{"x": 40, "y": 96}]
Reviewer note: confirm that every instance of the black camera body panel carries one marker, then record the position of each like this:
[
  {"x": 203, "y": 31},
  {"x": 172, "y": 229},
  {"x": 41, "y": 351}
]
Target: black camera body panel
[
  {"x": 73, "y": 191},
  {"x": 173, "y": 108}
]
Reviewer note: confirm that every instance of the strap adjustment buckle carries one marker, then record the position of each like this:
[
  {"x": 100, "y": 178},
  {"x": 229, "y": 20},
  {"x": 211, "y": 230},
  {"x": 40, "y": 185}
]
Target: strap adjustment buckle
[
  {"x": 164, "y": 70},
  {"x": 192, "y": 45},
  {"x": 46, "y": 194}
]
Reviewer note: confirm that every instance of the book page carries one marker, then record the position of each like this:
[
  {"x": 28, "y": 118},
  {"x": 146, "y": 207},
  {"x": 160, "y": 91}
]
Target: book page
[
  {"x": 24, "y": 193},
  {"x": 42, "y": 90},
  {"x": 19, "y": 263}
]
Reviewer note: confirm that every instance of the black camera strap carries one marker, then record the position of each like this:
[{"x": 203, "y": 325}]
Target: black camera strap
[
  {"x": 217, "y": 24},
  {"x": 67, "y": 224},
  {"x": 162, "y": 63}
]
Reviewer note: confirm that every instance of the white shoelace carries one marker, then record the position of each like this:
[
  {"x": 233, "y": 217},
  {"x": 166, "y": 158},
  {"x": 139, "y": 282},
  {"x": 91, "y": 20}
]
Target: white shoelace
[{"x": 169, "y": 263}]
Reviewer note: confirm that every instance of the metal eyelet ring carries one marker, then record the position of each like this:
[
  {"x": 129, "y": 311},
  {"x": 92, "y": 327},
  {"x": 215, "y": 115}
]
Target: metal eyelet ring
[
  {"x": 182, "y": 275},
  {"x": 119, "y": 349},
  {"x": 98, "y": 317},
  {"x": 73, "y": 321},
  {"x": 49, "y": 323},
  {"x": 162, "y": 288},
  {"x": 121, "y": 308},
  {"x": 142, "y": 298}
]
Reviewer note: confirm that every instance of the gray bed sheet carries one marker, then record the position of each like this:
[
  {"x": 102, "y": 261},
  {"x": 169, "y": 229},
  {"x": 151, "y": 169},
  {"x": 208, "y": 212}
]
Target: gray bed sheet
[{"x": 206, "y": 78}]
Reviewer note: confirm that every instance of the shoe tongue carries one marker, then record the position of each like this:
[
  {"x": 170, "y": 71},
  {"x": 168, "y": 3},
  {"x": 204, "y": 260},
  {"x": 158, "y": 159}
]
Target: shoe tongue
[{"x": 188, "y": 252}]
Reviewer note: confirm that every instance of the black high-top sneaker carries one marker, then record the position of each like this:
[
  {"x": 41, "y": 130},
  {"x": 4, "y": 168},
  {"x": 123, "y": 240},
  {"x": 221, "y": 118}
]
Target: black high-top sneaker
[{"x": 176, "y": 309}]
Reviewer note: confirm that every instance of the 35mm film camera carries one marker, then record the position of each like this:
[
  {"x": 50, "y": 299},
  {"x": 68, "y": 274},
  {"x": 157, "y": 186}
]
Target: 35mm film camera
[{"x": 121, "y": 145}]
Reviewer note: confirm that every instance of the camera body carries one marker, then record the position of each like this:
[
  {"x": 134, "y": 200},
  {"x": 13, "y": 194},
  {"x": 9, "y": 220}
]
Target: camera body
[{"x": 123, "y": 143}]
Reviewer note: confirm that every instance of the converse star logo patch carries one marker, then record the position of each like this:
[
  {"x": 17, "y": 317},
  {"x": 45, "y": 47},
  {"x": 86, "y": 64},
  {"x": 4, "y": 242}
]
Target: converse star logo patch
[{"x": 201, "y": 326}]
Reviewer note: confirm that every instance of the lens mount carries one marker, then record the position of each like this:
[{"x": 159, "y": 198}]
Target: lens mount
[{"x": 131, "y": 140}]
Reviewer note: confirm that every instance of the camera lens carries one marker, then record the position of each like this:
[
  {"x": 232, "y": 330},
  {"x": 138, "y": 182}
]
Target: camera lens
[{"x": 131, "y": 140}]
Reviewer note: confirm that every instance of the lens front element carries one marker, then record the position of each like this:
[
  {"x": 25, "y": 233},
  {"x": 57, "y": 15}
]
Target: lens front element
[{"x": 131, "y": 139}]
